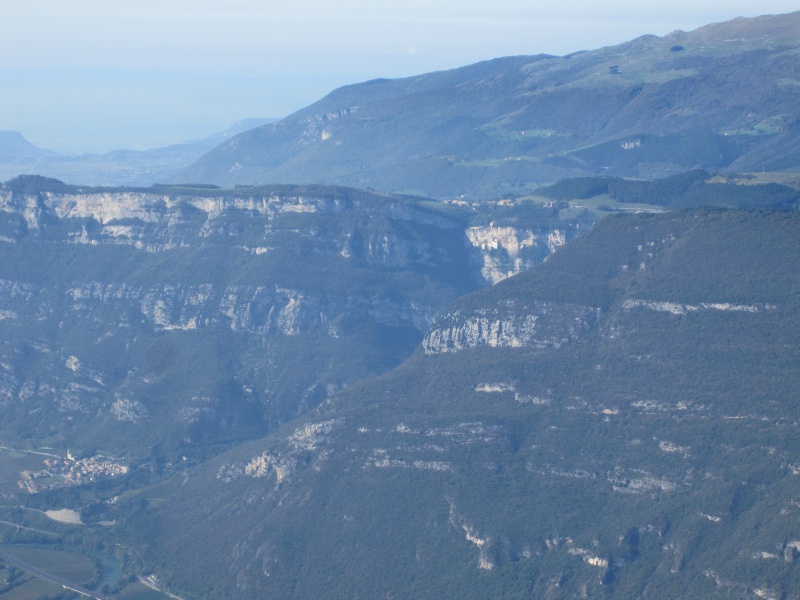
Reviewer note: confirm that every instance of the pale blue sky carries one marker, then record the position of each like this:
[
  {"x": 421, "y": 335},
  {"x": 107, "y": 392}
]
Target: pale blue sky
[{"x": 94, "y": 75}]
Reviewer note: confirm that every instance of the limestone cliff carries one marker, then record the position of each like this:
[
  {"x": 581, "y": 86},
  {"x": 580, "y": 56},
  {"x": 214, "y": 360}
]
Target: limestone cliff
[
  {"x": 513, "y": 324},
  {"x": 506, "y": 250},
  {"x": 220, "y": 312}
]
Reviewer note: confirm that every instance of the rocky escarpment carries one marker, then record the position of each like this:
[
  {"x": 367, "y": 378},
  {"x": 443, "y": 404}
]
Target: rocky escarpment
[
  {"x": 513, "y": 324},
  {"x": 217, "y": 313},
  {"x": 260, "y": 310},
  {"x": 181, "y": 218},
  {"x": 262, "y": 231},
  {"x": 506, "y": 250}
]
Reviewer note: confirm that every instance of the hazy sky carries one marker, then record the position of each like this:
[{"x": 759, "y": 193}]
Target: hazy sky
[{"x": 94, "y": 75}]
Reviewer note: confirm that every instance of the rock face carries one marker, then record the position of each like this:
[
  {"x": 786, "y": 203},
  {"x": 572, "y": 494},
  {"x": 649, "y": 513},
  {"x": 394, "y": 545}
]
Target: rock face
[
  {"x": 197, "y": 315},
  {"x": 506, "y": 250},
  {"x": 228, "y": 312},
  {"x": 537, "y": 325},
  {"x": 155, "y": 222}
]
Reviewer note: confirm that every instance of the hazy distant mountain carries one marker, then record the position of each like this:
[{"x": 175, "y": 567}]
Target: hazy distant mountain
[
  {"x": 218, "y": 138},
  {"x": 14, "y": 147},
  {"x": 115, "y": 168},
  {"x": 723, "y": 97}
]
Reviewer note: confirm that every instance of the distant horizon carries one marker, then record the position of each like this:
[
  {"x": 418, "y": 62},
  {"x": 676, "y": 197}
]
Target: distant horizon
[
  {"x": 177, "y": 142},
  {"x": 90, "y": 77}
]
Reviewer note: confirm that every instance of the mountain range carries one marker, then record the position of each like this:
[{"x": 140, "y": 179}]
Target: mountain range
[
  {"x": 14, "y": 147},
  {"x": 184, "y": 318},
  {"x": 18, "y": 156},
  {"x": 551, "y": 352},
  {"x": 619, "y": 422},
  {"x": 166, "y": 331},
  {"x": 724, "y": 96}
]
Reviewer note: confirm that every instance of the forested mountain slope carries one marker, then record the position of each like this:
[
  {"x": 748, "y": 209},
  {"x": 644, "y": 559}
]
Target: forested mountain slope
[{"x": 620, "y": 422}]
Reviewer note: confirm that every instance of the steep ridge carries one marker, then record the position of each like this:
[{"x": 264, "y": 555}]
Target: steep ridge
[
  {"x": 723, "y": 97},
  {"x": 636, "y": 438}
]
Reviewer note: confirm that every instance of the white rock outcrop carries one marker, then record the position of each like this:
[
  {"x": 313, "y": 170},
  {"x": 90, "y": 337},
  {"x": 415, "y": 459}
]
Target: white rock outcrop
[{"x": 534, "y": 325}]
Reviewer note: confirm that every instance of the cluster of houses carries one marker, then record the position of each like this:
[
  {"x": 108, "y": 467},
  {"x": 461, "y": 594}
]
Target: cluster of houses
[{"x": 69, "y": 471}]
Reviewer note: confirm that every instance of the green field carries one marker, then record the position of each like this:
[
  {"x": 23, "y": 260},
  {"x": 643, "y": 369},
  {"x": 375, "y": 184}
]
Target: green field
[
  {"x": 602, "y": 205},
  {"x": 599, "y": 205},
  {"x": 790, "y": 178},
  {"x": 70, "y": 566},
  {"x": 12, "y": 463},
  {"x": 19, "y": 529},
  {"x": 26, "y": 587},
  {"x": 516, "y": 135},
  {"x": 495, "y": 162}
]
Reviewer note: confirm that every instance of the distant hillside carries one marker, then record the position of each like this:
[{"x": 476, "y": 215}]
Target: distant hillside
[
  {"x": 691, "y": 189},
  {"x": 14, "y": 147},
  {"x": 115, "y": 168},
  {"x": 722, "y": 97},
  {"x": 619, "y": 422}
]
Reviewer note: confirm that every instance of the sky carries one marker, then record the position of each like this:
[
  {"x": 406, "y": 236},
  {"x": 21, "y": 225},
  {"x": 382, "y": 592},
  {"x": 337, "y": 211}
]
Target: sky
[{"x": 97, "y": 75}]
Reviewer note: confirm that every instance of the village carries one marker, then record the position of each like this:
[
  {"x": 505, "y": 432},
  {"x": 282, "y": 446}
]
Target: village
[{"x": 68, "y": 471}]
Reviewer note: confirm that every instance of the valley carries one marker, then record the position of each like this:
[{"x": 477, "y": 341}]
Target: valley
[{"x": 544, "y": 344}]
